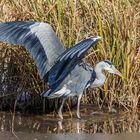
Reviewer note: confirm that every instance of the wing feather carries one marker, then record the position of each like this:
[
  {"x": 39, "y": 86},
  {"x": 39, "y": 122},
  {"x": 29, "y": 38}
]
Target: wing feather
[
  {"x": 38, "y": 38},
  {"x": 69, "y": 59}
]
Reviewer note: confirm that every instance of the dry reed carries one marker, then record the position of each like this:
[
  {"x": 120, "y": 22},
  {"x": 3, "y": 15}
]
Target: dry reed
[{"x": 117, "y": 22}]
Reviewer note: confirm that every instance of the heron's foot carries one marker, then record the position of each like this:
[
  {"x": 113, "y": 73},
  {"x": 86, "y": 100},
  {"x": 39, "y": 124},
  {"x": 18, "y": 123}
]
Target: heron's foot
[
  {"x": 78, "y": 115},
  {"x": 60, "y": 115}
]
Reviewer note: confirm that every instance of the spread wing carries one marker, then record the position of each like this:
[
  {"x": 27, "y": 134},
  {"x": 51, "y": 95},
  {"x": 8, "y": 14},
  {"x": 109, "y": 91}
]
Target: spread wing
[
  {"x": 38, "y": 38},
  {"x": 68, "y": 60}
]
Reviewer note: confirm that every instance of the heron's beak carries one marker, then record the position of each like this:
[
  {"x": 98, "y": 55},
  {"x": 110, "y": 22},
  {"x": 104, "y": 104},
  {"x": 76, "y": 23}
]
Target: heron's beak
[{"x": 118, "y": 73}]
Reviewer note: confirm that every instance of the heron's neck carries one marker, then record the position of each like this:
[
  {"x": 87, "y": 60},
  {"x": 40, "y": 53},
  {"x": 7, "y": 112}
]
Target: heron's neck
[{"x": 100, "y": 77}]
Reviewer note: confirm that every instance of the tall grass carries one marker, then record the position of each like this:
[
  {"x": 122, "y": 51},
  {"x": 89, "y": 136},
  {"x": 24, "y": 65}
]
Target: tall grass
[{"x": 117, "y": 22}]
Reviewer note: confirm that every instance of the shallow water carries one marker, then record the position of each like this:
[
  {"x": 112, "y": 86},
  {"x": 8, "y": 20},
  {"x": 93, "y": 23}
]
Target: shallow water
[{"x": 93, "y": 125}]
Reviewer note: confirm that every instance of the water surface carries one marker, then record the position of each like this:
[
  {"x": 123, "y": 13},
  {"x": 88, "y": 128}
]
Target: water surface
[{"x": 95, "y": 124}]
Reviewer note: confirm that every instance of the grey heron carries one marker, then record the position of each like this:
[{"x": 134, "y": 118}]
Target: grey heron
[{"x": 63, "y": 69}]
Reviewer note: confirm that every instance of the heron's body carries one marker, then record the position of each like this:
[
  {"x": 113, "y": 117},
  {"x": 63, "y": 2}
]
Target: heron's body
[
  {"x": 72, "y": 84},
  {"x": 63, "y": 69}
]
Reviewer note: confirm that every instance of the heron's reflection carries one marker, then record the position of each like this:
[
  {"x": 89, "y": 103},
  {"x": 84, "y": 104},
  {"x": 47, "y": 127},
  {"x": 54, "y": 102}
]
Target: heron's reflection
[
  {"x": 71, "y": 125},
  {"x": 60, "y": 125},
  {"x": 128, "y": 122}
]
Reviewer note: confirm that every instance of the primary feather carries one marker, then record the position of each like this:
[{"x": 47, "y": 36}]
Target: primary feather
[{"x": 38, "y": 38}]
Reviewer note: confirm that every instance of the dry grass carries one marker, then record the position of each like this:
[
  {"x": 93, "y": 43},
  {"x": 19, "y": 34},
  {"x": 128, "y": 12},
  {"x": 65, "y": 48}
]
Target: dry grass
[{"x": 117, "y": 22}]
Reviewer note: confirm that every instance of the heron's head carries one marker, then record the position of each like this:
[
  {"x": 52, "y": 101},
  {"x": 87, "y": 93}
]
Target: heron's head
[{"x": 108, "y": 66}]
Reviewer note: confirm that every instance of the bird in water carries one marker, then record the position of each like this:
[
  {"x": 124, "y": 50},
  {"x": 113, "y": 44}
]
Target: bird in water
[{"x": 65, "y": 70}]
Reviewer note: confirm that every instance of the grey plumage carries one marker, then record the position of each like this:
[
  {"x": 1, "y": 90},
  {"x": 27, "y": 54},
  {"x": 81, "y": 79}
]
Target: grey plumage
[
  {"x": 37, "y": 39},
  {"x": 64, "y": 69}
]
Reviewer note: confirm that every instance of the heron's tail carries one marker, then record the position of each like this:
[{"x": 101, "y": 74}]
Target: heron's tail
[{"x": 46, "y": 93}]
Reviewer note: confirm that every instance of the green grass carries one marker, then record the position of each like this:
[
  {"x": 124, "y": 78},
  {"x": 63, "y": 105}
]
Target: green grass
[{"x": 117, "y": 22}]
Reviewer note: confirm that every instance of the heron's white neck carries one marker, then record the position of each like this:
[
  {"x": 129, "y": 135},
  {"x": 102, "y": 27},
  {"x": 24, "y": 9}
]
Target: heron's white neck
[{"x": 100, "y": 77}]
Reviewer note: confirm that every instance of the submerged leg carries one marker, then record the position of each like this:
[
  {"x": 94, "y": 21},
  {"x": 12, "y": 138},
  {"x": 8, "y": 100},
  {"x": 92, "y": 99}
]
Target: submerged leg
[
  {"x": 78, "y": 106},
  {"x": 60, "y": 109}
]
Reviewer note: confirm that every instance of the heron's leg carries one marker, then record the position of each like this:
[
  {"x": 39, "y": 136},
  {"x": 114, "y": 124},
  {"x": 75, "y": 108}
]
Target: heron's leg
[
  {"x": 78, "y": 106},
  {"x": 60, "y": 109}
]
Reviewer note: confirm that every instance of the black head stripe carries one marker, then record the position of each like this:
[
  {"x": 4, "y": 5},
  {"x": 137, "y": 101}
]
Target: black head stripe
[{"x": 108, "y": 62}]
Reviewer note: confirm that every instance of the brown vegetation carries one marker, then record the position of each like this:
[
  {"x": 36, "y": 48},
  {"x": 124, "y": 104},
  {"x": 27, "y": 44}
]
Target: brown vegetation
[{"x": 117, "y": 22}]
